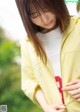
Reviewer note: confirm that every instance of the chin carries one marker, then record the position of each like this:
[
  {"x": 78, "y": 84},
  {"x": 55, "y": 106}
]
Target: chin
[
  {"x": 51, "y": 27},
  {"x": 48, "y": 28}
]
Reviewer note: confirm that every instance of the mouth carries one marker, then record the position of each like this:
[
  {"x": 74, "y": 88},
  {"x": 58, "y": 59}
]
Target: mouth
[{"x": 48, "y": 23}]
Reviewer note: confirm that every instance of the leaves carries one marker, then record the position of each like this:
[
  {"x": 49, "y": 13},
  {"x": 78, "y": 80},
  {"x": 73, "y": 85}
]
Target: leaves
[{"x": 10, "y": 80}]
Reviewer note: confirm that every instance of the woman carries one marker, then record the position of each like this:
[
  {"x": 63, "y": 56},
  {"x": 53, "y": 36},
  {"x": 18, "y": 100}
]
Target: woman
[{"x": 50, "y": 55}]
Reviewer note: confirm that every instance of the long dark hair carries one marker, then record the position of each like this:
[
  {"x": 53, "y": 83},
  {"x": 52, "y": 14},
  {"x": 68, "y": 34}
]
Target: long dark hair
[{"x": 56, "y": 6}]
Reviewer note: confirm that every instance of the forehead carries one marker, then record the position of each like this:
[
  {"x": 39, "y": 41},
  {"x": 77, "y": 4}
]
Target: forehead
[{"x": 38, "y": 5}]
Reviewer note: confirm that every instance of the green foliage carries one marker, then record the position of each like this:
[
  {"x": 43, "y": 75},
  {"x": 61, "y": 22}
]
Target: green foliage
[
  {"x": 10, "y": 81},
  {"x": 72, "y": 1}
]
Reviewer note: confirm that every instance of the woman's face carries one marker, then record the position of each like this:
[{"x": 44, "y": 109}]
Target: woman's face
[{"x": 46, "y": 20}]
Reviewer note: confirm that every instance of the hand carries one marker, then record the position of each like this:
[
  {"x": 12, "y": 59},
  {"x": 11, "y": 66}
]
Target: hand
[
  {"x": 73, "y": 88},
  {"x": 55, "y": 108}
]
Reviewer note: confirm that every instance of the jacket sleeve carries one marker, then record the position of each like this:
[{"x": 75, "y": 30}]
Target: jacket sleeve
[{"x": 29, "y": 84}]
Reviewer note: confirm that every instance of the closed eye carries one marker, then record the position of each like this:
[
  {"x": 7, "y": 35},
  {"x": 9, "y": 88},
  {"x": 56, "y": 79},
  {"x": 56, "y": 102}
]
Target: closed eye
[{"x": 34, "y": 14}]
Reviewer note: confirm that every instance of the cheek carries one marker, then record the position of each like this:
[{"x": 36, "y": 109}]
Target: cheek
[
  {"x": 51, "y": 15},
  {"x": 54, "y": 17},
  {"x": 36, "y": 21}
]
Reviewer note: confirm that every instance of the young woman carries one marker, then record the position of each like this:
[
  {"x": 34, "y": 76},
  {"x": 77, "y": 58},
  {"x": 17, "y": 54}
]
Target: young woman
[{"x": 50, "y": 55}]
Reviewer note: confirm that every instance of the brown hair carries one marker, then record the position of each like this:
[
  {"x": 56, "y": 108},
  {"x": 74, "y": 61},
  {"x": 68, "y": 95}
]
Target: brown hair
[
  {"x": 56, "y": 6},
  {"x": 78, "y": 6}
]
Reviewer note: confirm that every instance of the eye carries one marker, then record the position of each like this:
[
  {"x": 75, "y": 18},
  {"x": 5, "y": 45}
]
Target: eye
[{"x": 34, "y": 15}]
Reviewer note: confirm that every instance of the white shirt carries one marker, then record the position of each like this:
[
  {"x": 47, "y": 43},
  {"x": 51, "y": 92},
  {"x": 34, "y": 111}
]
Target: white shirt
[{"x": 52, "y": 45}]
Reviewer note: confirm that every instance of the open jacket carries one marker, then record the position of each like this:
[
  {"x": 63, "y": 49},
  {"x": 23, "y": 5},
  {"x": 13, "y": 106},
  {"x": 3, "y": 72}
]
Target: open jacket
[{"x": 34, "y": 74}]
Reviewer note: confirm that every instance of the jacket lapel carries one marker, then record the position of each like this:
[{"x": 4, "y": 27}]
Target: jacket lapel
[
  {"x": 36, "y": 61},
  {"x": 69, "y": 29}
]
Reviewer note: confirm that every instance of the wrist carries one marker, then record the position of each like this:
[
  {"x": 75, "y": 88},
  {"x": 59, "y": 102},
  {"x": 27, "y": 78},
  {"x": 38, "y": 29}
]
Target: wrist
[{"x": 45, "y": 108}]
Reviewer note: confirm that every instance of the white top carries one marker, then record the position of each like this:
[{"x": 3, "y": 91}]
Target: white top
[{"x": 52, "y": 45}]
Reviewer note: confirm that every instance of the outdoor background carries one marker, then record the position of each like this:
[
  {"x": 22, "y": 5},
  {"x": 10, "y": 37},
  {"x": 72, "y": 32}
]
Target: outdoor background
[{"x": 11, "y": 34}]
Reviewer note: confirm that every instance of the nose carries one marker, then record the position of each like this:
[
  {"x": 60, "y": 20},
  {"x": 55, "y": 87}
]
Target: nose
[{"x": 44, "y": 18}]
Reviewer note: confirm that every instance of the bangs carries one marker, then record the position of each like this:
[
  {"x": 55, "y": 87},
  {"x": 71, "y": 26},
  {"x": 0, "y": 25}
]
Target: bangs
[
  {"x": 38, "y": 6},
  {"x": 34, "y": 8}
]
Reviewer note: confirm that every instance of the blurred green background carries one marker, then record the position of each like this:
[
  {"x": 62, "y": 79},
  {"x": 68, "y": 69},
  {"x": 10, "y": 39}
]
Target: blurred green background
[{"x": 10, "y": 87}]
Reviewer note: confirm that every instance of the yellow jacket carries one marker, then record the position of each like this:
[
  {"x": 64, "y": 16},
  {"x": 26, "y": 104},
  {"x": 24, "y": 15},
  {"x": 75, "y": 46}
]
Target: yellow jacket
[{"x": 35, "y": 74}]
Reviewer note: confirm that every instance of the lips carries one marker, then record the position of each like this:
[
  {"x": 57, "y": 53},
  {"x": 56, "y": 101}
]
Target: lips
[{"x": 48, "y": 23}]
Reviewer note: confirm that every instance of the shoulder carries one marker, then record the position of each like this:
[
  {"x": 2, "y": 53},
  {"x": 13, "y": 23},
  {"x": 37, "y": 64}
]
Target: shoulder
[
  {"x": 25, "y": 41},
  {"x": 74, "y": 19},
  {"x": 26, "y": 44},
  {"x": 74, "y": 24}
]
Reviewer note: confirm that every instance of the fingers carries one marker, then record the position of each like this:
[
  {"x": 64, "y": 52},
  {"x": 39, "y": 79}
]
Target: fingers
[
  {"x": 62, "y": 110},
  {"x": 74, "y": 92},
  {"x": 73, "y": 88},
  {"x": 77, "y": 97},
  {"x": 78, "y": 100},
  {"x": 73, "y": 82},
  {"x": 57, "y": 107}
]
